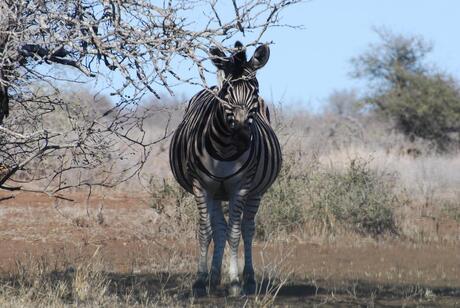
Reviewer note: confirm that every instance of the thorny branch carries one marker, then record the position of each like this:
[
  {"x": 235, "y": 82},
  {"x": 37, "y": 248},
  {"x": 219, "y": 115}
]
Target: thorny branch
[{"x": 55, "y": 138}]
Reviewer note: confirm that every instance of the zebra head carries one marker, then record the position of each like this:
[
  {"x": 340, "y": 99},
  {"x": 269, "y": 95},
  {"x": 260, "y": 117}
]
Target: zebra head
[{"x": 239, "y": 89}]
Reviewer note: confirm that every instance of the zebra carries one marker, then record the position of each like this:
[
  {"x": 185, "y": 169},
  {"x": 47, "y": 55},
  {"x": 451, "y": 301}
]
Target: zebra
[{"x": 225, "y": 150}]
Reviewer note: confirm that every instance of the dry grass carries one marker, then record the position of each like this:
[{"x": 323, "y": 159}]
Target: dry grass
[
  {"x": 88, "y": 280},
  {"x": 346, "y": 184},
  {"x": 54, "y": 280}
]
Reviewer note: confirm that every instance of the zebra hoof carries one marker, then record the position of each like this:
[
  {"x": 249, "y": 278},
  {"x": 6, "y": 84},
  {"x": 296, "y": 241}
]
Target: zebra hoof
[
  {"x": 235, "y": 289},
  {"x": 214, "y": 280},
  {"x": 249, "y": 283},
  {"x": 199, "y": 288},
  {"x": 249, "y": 286}
]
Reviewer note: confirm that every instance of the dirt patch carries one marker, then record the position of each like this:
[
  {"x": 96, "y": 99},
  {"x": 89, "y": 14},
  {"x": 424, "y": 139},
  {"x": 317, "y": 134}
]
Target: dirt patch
[{"x": 129, "y": 237}]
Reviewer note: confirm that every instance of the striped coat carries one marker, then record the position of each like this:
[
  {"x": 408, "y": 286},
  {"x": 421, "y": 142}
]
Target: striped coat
[
  {"x": 226, "y": 150},
  {"x": 193, "y": 153}
]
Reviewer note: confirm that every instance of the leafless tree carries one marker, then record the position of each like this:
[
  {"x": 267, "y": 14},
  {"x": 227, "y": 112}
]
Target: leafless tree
[{"x": 54, "y": 139}]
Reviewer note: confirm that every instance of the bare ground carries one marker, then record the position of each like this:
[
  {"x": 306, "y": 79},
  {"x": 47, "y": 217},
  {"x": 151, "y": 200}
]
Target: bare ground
[{"x": 141, "y": 250}]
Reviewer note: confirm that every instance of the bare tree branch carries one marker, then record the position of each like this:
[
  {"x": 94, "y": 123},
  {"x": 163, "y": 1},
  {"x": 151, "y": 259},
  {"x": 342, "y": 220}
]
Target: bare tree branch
[{"x": 55, "y": 136}]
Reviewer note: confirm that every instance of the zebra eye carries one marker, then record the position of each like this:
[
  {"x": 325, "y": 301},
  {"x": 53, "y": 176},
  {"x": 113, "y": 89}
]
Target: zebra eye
[
  {"x": 231, "y": 121},
  {"x": 250, "y": 120}
]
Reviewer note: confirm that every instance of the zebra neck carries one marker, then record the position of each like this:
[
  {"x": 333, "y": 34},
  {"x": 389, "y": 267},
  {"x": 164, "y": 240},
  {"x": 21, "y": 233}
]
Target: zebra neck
[{"x": 220, "y": 142}]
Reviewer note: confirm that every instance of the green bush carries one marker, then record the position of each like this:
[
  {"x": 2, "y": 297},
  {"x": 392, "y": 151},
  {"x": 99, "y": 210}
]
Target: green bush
[
  {"x": 283, "y": 208},
  {"x": 358, "y": 199},
  {"x": 426, "y": 107}
]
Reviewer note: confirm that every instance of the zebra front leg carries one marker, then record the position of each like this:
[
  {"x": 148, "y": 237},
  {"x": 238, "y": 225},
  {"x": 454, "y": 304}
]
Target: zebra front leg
[
  {"x": 233, "y": 237},
  {"x": 219, "y": 228},
  {"x": 204, "y": 239},
  {"x": 248, "y": 230},
  {"x": 211, "y": 224}
]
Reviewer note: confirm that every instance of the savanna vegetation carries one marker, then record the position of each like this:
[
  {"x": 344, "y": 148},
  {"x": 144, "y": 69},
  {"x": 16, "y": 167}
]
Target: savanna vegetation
[{"x": 374, "y": 171}]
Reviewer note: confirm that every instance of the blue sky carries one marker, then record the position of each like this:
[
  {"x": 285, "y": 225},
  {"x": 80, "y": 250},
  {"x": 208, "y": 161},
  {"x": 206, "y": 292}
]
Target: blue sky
[{"x": 307, "y": 65}]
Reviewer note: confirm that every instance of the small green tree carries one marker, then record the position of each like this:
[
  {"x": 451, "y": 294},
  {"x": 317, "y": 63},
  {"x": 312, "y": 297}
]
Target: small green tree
[
  {"x": 421, "y": 102},
  {"x": 428, "y": 106}
]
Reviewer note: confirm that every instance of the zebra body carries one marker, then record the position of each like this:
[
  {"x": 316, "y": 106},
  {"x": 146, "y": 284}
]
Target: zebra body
[
  {"x": 220, "y": 176},
  {"x": 226, "y": 150}
]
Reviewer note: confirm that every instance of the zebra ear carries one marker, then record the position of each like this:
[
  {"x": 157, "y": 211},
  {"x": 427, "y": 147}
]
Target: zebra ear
[
  {"x": 260, "y": 57},
  {"x": 219, "y": 58},
  {"x": 240, "y": 55}
]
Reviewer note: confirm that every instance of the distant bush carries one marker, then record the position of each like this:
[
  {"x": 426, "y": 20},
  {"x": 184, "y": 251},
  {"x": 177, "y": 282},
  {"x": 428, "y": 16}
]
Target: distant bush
[{"x": 452, "y": 210}]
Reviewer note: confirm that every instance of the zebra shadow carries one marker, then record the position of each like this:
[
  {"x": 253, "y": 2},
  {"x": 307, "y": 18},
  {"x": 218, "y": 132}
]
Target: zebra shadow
[
  {"x": 162, "y": 287},
  {"x": 166, "y": 288},
  {"x": 179, "y": 286},
  {"x": 157, "y": 287}
]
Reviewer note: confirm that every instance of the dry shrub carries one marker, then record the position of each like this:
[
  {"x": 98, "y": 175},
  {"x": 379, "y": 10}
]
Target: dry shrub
[
  {"x": 283, "y": 207},
  {"x": 83, "y": 281},
  {"x": 275, "y": 274},
  {"x": 357, "y": 198},
  {"x": 174, "y": 204},
  {"x": 42, "y": 282}
]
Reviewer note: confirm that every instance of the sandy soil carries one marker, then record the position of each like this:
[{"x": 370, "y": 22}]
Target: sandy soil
[{"x": 131, "y": 237}]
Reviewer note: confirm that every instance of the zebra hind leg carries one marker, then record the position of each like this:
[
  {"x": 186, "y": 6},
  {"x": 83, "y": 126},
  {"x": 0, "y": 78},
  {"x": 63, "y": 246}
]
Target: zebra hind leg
[{"x": 248, "y": 230}]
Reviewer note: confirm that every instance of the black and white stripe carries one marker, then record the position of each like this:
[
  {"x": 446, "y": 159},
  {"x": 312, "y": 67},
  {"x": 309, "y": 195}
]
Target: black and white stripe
[{"x": 226, "y": 150}]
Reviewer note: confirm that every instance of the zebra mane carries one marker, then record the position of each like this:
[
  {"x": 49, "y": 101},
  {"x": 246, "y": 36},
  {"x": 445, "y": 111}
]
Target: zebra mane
[{"x": 236, "y": 67}]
